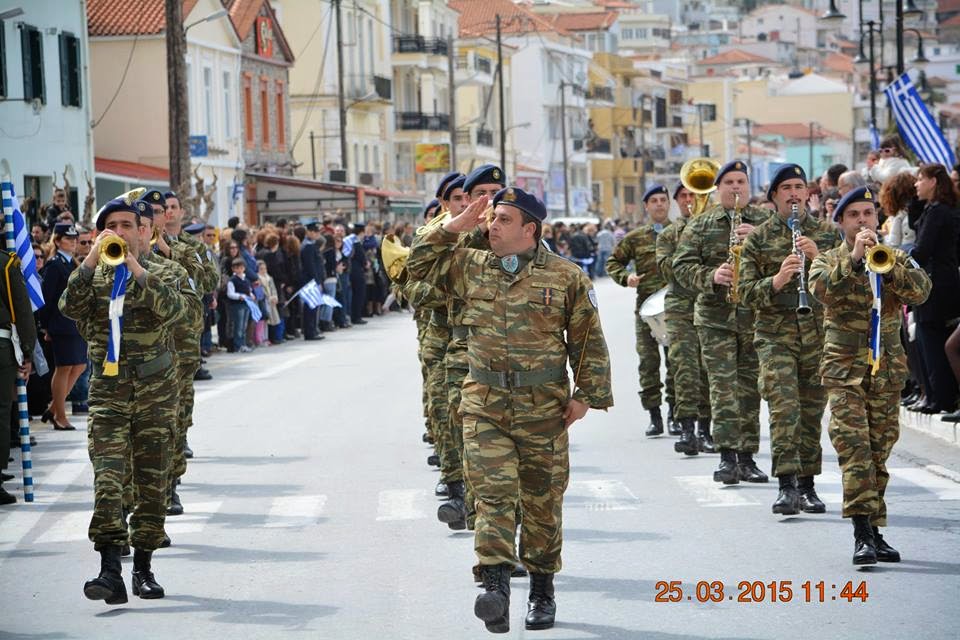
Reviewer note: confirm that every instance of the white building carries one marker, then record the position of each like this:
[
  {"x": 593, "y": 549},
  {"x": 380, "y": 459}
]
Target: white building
[{"x": 45, "y": 100}]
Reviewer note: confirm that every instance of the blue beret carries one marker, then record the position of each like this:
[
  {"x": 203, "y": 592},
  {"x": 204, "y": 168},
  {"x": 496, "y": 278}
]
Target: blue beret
[
  {"x": 431, "y": 206},
  {"x": 153, "y": 197},
  {"x": 312, "y": 225},
  {"x": 654, "y": 190},
  {"x": 444, "y": 181},
  {"x": 122, "y": 203},
  {"x": 456, "y": 183},
  {"x": 66, "y": 229},
  {"x": 484, "y": 174},
  {"x": 733, "y": 165},
  {"x": 860, "y": 194},
  {"x": 676, "y": 190},
  {"x": 170, "y": 194},
  {"x": 784, "y": 173},
  {"x": 526, "y": 202},
  {"x": 196, "y": 228}
]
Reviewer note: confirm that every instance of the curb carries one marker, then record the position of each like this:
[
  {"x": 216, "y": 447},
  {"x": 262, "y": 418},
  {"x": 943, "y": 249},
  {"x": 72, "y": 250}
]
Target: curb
[{"x": 931, "y": 425}]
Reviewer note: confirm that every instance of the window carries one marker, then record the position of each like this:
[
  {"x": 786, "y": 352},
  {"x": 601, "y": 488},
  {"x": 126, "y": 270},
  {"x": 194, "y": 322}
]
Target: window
[
  {"x": 208, "y": 101},
  {"x": 227, "y": 105},
  {"x": 366, "y": 158},
  {"x": 3, "y": 62},
  {"x": 69, "y": 70},
  {"x": 264, "y": 115},
  {"x": 629, "y": 194},
  {"x": 626, "y": 34},
  {"x": 248, "y": 109},
  {"x": 31, "y": 46},
  {"x": 596, "y": 192},
  {"x": 281, "y": 117}
]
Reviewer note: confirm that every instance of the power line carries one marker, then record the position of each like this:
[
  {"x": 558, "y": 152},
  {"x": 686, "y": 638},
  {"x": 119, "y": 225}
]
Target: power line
[
  {"x": 316, "y": 87},
  {"x": 123, "y": 77}
]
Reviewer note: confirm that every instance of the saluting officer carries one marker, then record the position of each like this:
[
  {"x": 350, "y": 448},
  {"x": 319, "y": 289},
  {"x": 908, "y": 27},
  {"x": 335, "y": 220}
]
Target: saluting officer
[
  {"x": 640, "y": 247},
  {"x": 789, "y": 339},
  {"x": 864, "y": 397},
  {"x": 528, "y": 311}
]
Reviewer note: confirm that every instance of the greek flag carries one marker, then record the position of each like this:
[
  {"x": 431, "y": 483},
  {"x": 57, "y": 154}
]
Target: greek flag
[
  {"x": 255, "y": 313},
  {"x": 876, "y": 286},
  {"x": 311, "y": 294},
  {"x": 28, "y": 264},
  {"x": 874, "y": 138},
  {"x": 916, "y": 124}
]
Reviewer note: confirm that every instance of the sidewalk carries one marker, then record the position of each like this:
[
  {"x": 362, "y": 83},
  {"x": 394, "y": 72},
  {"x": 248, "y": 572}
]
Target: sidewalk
[{"x": 929, "y": 442}]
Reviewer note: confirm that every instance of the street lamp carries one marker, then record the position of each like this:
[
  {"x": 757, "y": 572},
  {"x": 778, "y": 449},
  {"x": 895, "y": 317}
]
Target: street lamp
[
  {"x": 919, "y": 60},
  {"x": 911, "y": 10},
  {"x": 871, "y": 29},
  {"x": 210, "y": 18},
  {"x": 833, "y": 14}
]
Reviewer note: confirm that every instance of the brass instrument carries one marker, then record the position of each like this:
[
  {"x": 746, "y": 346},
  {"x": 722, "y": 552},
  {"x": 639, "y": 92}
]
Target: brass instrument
[
  {"x": 113, "y": 251},
  {"x": 803, "y": 305},
  {"x": 879, "y": 258},
  {"x": 155, "y": 237},
  {"x": 733, "y": 252},
  {"x": 394, "y": 257},
  {"x": 697, "y": 176}
]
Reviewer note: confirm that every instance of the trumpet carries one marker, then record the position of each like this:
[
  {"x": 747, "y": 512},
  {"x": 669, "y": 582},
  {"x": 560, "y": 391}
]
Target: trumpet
[
  {"x": 803, "y": 305},
  {"x": 155, "y": 237},
  {"x": 113, "y": 251},
  {"x": 733, "y": 252},
  {"x": 879, "y": 258},
  {"x": 697, "y": 176}
]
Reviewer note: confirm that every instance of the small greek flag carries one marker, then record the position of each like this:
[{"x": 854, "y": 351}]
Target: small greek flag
[
  {"x": 255, "y": 314},
  {"x": 24, "y": 248},
  {"x": 917, "y": 126},
  {"x": 874, "y": 138},
  {"x": 330, "y": 301},
  {"x": 873, "y": 357},
  {"x": 311, "y": 294},
  {"x": 115, "y": 314}
]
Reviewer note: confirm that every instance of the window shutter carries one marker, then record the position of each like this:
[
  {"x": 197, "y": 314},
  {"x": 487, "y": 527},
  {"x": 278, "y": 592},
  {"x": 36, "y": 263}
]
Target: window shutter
[
  {"x": 27, "y": 63},
  {"x": 64, "y": 69}
]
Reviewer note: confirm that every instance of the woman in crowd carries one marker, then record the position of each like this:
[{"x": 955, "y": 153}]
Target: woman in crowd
[
  {"x": 276, "y": 266},
  {"x": 229, "y": 250},
  {"x": 340, "y": 264},
  {"x": 291, "y": 250}
]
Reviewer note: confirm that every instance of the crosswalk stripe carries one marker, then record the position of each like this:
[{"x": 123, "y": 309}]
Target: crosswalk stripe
[
  {"x": 295, "y": 511},
  {"x": 942, "y": 488},
  {"x": 601, "y": 495},
  {"x": 403, "y": 504},
  {"x": 713, "y": 494}
]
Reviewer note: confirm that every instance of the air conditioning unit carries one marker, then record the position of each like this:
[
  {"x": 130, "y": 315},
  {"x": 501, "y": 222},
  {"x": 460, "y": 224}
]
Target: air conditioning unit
[
  {"x": 338, "y": 175},
  {"x": 369, "y": 179}
]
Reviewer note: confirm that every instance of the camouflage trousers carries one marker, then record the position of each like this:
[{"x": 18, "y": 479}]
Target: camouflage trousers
[
  {"x": 864, "y": 426},
  {"x": 131, "y": 427},
  {"x": 649, "y": 369},
  {"x": 689, "y": 375},
  {"x": 422, "y": 322},
  {"x": 523, "y": 464},
  {"x": 451, "y": 463},
  {"x": 731, "y": 362},
  {"x": 434, "y": 343},
  {"x": 790, "y": 383},
  {"x": 185, "y": 373}
]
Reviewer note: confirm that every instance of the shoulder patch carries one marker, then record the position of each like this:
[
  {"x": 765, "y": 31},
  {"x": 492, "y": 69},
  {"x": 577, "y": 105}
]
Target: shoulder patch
[{"x": 592, "y": 296}]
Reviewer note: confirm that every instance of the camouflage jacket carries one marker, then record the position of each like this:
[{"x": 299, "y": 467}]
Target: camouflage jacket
[
  {"x": 533, "y": 321},
  {"x": 640, "y": 247},
  {"x": 678, "y": 297},
  {"x": 843, "y": 288},
  {"x": 704, "y": 245},
  {"x": 457, "y": 349},
  {"x": 763, "y": 252},
  {"x": 150, "y": 312},
  {"x": 184, "y": 332},
  {"x": 197, "y": 259},
  {"x": 26, "y": 325}
]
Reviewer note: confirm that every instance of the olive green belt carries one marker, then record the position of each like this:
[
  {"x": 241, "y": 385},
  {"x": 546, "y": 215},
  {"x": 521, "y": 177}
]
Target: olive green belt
[
  {"x": 511, "y": 379},
  {"x": 143, "y": 370},
  {"x": 460, "y": 332},
  {"x": 859, "y": 340}
]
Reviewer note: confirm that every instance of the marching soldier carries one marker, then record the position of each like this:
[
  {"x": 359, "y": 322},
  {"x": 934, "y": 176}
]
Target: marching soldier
[
  {"x": 689, "y": 376},
  {"x": 421, "y": 315},
  {"x": 789, "y": 336},
  {"x": 127, "y": 314},
  {"x": 639, "y": 246},
  {"x": 702, "y": 263},
  {"x": 528, "y": 311},
  {"x": 864, "y": 366}
]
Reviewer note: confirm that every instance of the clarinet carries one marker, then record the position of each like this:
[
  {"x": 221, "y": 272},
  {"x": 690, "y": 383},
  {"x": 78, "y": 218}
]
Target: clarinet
[{"x": 803, "y": 306}]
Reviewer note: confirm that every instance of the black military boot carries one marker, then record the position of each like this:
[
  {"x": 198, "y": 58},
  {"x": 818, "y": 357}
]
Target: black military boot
[
  {"x": 705, "y": 440},
  {"x": 541, "y": 607},
  {"x": 864, "y": 546},
  {"x": 187, "y": 451},
  {"x": 426, "y": 437},
  {"x": 687, "y": 444},
  {"x": 454, "y": 510},
  {"x": 788, "y": 500},
  {"x": 749, "y": 472},
  {"x": 493, "y": 605},
  {"x": 885, "y": 553},
  {"x": 656, "y": 423},
  {"x": 176, "y": 507},
  {"x": 727, "y": 472},
  {"x": 810, "y": 502},
  {"x": 108, "y": 586},
  {"x": 674, "y": 427},
  {"x": 519, "y": 571},
  {"x": 143, "y": 583},
  {"x": 433, "y": 460},
  {"x": 441, "y": 490}
]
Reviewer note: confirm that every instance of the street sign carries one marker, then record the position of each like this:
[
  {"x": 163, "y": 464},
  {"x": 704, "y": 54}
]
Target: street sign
[{"x": 198, "y": 146}]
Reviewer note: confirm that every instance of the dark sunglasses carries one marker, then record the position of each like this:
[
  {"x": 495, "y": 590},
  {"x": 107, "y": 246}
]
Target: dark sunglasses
[
  {"x": 887, "y": 150},
  {"x": 86, "y": 242},
  {"x": 38, "y": 256}
]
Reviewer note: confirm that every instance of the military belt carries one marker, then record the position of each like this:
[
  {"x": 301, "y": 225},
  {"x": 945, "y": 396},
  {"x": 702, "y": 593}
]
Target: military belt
[
  {"x": 859, "y": 340},
  {"x": 439, "y": 319},
  {"x": 512, "y": 379},
  {"x": 143, "y": 370},
  {"x": 460, "y": 332}
]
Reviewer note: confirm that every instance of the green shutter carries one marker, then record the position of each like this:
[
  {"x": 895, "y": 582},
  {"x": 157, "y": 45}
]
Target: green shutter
[
  {"x": 27, "y": 63},
  {"x": 64, "y": 70}
]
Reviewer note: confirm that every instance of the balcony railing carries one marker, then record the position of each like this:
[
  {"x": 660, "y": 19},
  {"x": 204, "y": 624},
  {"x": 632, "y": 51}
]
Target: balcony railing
[
  {"x": 419, "y": 44},
  {"x": 600, "y": 93},
  {"x": 483, "y": 137},
  {"x": 417, "y": 121},
  {"x": 598, "y": 145},
  {"x": 474, "y": 63}
]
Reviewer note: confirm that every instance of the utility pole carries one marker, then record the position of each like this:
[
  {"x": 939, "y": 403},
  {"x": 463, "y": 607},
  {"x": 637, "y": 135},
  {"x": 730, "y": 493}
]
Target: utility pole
[
  {"x": 749, "y": 123},
  {"x": 899, "y": 32},
  {"x": 453, "y": 105},
  {"x": 812, "y": 172},
  {"x": 178, "y": 120},
  {"x": 566, "y": 160},
  {"x": 703, "y": 144},
  {"x": 341, "y": 103},
  {"x": 313, "y": 156},
  {"x": 873, "y": 81},
  {"x": 503, "y": 121}
]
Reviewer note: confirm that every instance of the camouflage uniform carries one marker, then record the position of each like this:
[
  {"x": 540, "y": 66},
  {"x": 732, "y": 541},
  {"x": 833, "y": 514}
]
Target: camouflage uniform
[
  {"x": 725, "y": 330},
  {"x": 689, "y": 376},
  {"x": 133, "y": 411},
  {"x": 433, "y": 349},
  {"x": 517, "y": 388},
  {"x": 639, "y": 247},
  {"x": 789, "y": 345},
  {"x": 864, "y": 407}
]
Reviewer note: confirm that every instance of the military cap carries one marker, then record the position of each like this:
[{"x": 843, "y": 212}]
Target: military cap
[
  {"x": 124, "y": 202},
  {"x": 170, "y": 194},
  {"x": 733, "y": 165},
  {"x": 432, "y": 207},
  {"x": 654, "y": 190},
  {"x": 484, "y": 174},
  {"x": 526, "y": 202},
  {"x": 312, "y": 225},
  {"x": 456, "y": 183},
  {"x": 860, "y": 194},
  {"x": 444, "y": 181},
  {"x": 153, "y": 197},
  {"x": 359, "y": 227},
  {"x": 66, "y": 229},
  {"x": 784, "y": 173},
  {"x": 676, "y": 190},
  {"x": 195, "y": 229}
]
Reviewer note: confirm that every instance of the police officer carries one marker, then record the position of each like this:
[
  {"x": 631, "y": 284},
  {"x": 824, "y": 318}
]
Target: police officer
[
  {"x": 132, "y": 396},
  {"x": 789, "y": 339},
  {"x": 312, "y": 269},
  {"x": 640, "y": 247},
  {"x": 689, "y": 376},
  {"x": 701, "y": 263},
  {"x": 528, "y": 311},
  {"x": 863, "y": 396}
]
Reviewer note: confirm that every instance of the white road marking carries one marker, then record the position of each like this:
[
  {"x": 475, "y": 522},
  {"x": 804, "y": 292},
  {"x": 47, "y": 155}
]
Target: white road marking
[
  {"x": 603, "y": 495},
  {"x": 829, "y": 487},
  {"x": 224, "y": 387},
  {"x": 942, "y": 488},
  {"x": 403, "y": 504},
  {"x": 713, "y": 494},
  {"x": 295, "y": 511}
]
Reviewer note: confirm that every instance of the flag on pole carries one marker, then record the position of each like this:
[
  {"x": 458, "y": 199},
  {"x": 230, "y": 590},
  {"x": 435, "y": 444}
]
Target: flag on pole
[
  {"x": 311, "y": 294},
  {"x": 24, "y": 248},
  {"x": 330, "y": 301},
  {"x": 874, "y": 138},
  {"x": 916, "y": 124},
  {"x": 873, "y": 355},
  {"x": 255, "y": 313}
]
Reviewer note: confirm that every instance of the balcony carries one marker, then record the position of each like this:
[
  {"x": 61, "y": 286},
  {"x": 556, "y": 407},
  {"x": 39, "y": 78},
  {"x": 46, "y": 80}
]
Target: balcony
[
  {"x": 419, "y": 44},
  {"x": 478, "y": 137},
  {"x": 369, "y": 90},
  {"x": 383, "y": 87},
  {"x": 475, "y": 69},
  {"x": 600, "y": 94},
  {"x": 417, "y": 121},
  {"x": 598, "y": 145}
]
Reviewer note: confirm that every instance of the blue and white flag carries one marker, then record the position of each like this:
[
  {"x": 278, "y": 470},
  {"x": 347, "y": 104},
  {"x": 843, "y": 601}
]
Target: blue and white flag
[
  {"x": 115, "y": 316},
  {"x": 917, "y": 126},
  {"x": 311, "y": 294},
  {"x": 255, "y": 313},
  {"x": 330, "y": 301},
  {"x": 874, "y": 138},
  {"x": 876, "y": 286},
  {"x": 24, "y": 248}
]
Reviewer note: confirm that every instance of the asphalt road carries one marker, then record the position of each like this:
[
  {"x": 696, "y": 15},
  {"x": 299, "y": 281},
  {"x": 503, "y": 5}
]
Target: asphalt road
[{"x": 310, "y": 514}]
